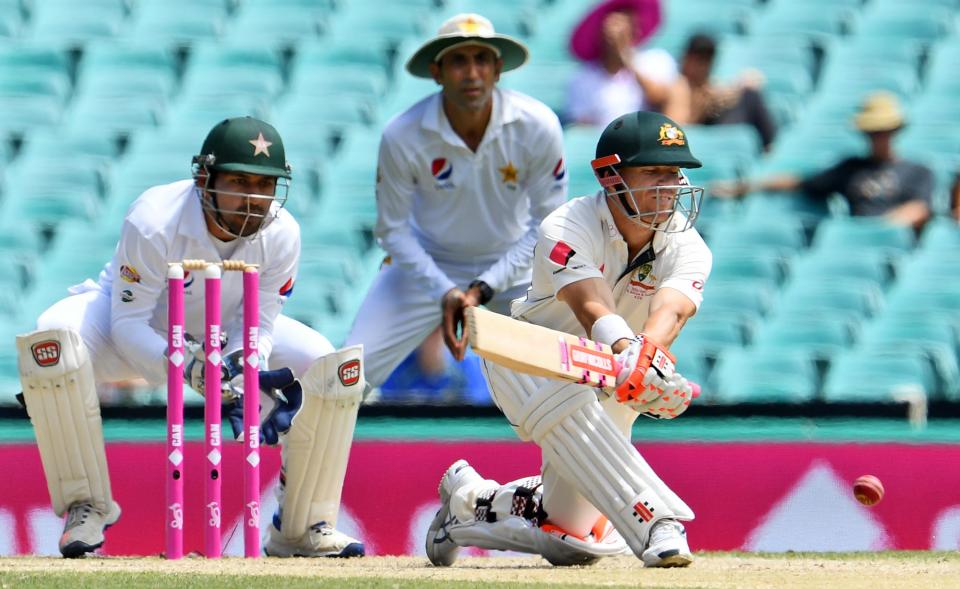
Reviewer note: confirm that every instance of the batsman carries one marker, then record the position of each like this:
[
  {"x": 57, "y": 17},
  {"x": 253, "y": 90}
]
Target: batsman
[
  {"x": 626, "y": 268},
  {"x": 114, "y": 329}
]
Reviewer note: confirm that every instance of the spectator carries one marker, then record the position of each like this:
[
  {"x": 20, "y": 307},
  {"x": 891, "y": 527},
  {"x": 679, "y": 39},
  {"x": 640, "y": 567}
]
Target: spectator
[
  {"x": 713, "y": 104},
  {"x": 615, "y": 77},
  {"x": 878, "y": 184}
]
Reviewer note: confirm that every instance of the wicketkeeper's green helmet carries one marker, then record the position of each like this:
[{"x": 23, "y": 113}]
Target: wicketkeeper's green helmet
[{"x": 242, "y": 145}]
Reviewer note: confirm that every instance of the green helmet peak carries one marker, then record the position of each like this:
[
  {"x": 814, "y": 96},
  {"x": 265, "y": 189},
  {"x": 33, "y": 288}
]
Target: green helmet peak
[
  {"x": 246, "y": 145},
  {"x": 646, "y": 139}
]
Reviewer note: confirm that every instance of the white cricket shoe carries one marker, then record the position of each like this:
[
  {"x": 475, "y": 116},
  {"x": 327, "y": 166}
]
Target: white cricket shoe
[
  {"x": 319, "y": 540},
  {"x": 442, "y": 551},
  {"x": 668, "y": 545},
  {"x": 84, "y": 527}
]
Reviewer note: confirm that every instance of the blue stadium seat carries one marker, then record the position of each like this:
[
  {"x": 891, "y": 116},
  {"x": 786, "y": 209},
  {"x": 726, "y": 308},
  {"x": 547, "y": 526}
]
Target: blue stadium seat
[
  {"x": 823, "y": 337},
  {"x": 736, "y": 301},
  {"x": 179, "y": 22},
  {"x": 781, "y": 235},
  {"x": 871, "y": 377},
  {"x": 904, "y": 21},
  {"x": 937, "y": 339},
  {"x": 844, "y": 300},
  {"x": 940, "y": 234},
  {"x": 60, "y": 23},
  {"x": 26, "y": 63},
  {"x": 127, "y": 69},
  {"x": 757, "y": 375},
  {"x": 825, "y": 20},
  {"x": 752, "y": 264},
  {"x": 825, "y": 264},
  {"x": 285, "y": 23},
  {"x": 845, "y": 234}
]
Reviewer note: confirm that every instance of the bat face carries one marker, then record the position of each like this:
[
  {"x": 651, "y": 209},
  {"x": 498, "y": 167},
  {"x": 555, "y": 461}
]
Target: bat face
[{"x": 540, "y": 351}]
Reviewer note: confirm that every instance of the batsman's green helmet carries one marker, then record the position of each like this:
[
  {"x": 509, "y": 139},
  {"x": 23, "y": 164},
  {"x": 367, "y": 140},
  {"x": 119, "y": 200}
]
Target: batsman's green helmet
[
  {"x": 244, "y": 144},
  {"x": 646, "y": 139}
]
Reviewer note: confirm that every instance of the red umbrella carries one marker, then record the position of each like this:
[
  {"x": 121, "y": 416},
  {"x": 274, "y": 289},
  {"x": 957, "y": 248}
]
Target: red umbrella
[{"x": 587, "y": 40}]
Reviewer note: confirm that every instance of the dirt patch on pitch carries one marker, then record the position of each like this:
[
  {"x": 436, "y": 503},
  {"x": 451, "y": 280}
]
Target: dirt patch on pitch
[{"x": 715, "y": 571}]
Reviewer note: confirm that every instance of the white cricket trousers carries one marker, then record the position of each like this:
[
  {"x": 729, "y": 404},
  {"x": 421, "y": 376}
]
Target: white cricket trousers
[
  {"x": 565, "y": 506},
  {"x": 398, "y": 314}
]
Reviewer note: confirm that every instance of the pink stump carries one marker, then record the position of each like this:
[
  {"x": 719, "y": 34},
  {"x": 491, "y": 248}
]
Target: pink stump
[
  {"x": 251, "y": 412},
  {"x": 173, "y": 515},
  {"x": 211, "y": 412}
]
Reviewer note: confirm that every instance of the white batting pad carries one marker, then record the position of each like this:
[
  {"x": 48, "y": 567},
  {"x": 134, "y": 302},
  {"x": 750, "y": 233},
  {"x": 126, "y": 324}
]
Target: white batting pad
[
  {"x": 59, "y": 390},
  {"x": 507, "y": 517},
  {"x": 580, "y": 440},
  {"x": 316, "y": 450}
]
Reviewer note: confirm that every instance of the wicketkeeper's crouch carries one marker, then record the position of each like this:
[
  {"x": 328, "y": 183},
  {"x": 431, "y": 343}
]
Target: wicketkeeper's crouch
[{"x": 114, "y": 329}]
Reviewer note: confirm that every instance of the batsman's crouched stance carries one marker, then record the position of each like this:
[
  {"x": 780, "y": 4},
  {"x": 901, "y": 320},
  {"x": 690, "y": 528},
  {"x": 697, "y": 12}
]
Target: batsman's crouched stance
[
  {"x": 112, "y": 330},
  {"x": 624, "y": 268}
]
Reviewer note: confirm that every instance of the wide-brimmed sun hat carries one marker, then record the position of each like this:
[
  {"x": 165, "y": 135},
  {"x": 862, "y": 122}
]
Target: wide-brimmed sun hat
[
  {"x": 880, "y": 112},
  {"x": 467, "y": 29},
  {"x": 586, "y": 43}
]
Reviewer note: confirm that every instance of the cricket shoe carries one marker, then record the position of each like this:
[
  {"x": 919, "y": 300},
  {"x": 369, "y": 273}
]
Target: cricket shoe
[
  {"x": 83, "y": 531},
  {"x": 668, "y": 546},
  {"x": 320, "y": 540},
  {"x": 442, "y": 551}
]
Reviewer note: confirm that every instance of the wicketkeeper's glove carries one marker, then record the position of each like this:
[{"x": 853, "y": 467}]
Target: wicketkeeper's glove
[{"x": 280, "y": 398}]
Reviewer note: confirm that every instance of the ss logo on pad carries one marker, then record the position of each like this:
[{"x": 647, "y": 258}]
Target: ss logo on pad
[
  {"x": 349, "y": 372},
  {"x": 46, "y": 353}
]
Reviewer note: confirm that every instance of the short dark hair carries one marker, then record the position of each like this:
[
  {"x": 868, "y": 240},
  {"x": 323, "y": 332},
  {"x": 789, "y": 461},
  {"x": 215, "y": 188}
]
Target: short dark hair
[{"x": 701, "y": 45}]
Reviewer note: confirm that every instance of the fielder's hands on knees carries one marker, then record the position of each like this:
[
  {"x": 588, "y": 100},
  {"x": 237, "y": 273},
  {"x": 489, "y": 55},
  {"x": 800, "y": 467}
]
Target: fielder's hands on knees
[
  {"x": 281, "y": 397},
  {"x": 452, "y": 304},
  {"x": 648, "y": 381}
]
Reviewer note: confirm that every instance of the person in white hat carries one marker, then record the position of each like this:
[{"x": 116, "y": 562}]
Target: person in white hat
[
  {"x": 464, "y": 178},
  {"x": 878, "y": 184}
]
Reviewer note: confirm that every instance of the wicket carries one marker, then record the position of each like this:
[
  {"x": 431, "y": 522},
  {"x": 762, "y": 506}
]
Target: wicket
[{"x": 212, "y": 406}]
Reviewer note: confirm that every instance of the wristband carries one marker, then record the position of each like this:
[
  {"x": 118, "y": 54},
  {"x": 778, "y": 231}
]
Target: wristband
[
  {"x": 486, "y": 292},
  {"x": 610, "y": 328}
]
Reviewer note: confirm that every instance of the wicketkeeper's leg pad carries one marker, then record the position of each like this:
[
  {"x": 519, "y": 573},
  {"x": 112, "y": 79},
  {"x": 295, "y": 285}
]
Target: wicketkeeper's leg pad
[
  {"x": 583, "y": 444},
  {"x": 316, "y": 449},
  {"x": 61, "y": 399}
]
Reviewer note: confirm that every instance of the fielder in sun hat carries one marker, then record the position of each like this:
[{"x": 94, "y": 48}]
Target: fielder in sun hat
[{"x": 467, "y": 29}]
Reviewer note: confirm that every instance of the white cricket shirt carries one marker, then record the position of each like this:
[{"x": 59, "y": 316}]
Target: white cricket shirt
[
  {"x": 580, "y": 240},
  {"x": 166, "y": 224},
  {"x": 438, "y": 201}
]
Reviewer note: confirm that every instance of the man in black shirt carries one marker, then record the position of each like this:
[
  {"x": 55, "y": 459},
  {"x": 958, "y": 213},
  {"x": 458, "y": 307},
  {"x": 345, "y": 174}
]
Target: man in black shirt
[{"x": 878, "y": 184}]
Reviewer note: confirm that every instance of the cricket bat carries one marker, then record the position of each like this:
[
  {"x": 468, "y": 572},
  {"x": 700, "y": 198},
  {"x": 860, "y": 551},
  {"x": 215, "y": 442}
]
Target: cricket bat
[{"x": 541, "y": 351}]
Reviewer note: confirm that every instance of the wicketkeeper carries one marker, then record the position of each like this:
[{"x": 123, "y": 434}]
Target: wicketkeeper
[
  {"x": 115, "y": 329},
  {"x": 626, "y": 268}
]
